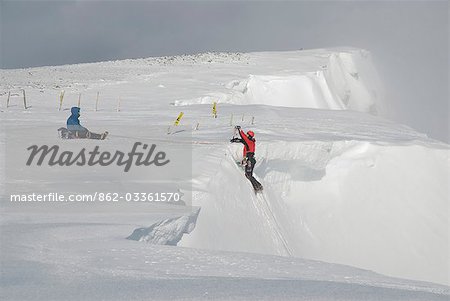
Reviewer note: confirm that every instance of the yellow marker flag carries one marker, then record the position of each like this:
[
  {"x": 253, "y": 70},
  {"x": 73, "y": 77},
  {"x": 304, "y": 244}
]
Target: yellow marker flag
[
  {"x": 178, "y": 118},
  {"x": 214, "y": 110}
]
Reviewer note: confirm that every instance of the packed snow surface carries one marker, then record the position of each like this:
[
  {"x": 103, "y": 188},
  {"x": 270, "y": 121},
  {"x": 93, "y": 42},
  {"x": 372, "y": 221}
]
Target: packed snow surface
[{"x": 345, "y": 191}]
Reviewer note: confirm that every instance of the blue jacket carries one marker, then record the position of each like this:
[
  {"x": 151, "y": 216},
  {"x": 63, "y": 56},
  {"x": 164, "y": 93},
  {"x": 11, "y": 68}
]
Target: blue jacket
[{"x": 73, "y": 123}]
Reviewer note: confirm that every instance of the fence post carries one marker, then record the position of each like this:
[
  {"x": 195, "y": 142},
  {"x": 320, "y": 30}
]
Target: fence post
[
  {"x": 96, "y": 102},
  {"x": 253, "y": 120},
  {"x": 79, "y": 100},
  {"x": 7, "y": 101},
  {"x": 61, "y": 98},
  {"x": 24, "y": 100},
  {"x": 118, "y": 104}
]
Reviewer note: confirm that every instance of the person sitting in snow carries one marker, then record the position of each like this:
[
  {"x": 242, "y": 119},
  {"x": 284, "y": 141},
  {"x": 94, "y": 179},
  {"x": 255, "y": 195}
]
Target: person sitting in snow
[
  {"x": 76, "y": 130},
  {"x": 73, "y": 122},
  {"x": 249, "y": 142}
]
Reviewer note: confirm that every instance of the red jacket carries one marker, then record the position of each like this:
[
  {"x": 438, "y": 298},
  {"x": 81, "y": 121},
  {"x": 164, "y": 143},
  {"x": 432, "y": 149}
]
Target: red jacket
[{"x": 249, "y": 143}]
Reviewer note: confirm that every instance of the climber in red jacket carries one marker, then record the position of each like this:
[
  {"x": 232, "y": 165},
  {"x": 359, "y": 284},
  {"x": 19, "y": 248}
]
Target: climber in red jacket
[
  {"x": 248, "y": 141},
  {"x": 249, "y": 160},
  {"x": 249, "y": 148}
]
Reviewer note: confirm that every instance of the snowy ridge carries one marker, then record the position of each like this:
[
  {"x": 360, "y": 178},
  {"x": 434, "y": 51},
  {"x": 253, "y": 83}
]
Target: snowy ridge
[
  {"x": 79, "y": 77},
  {"x": 347, "y": 81}
]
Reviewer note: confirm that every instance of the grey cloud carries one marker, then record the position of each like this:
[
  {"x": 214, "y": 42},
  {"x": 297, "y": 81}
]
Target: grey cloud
[{"x": 408, "y": 39}]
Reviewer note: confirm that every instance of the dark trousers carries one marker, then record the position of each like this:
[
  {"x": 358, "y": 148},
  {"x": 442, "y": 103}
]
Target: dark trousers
[{"x": 250, "y": 165}]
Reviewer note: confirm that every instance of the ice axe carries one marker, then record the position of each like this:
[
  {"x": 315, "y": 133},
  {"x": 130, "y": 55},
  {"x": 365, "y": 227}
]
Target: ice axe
[{"x": 235, "y": 132}]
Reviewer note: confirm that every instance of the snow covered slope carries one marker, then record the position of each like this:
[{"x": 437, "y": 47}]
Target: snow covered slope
[
  {"x": 341, "y": 185},
  {"x": 341, "y": 188},
  {"x": 74, "y": 257}
]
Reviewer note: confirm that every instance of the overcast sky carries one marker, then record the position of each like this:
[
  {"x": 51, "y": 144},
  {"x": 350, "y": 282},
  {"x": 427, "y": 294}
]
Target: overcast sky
[{"x": 409, "y": 40}]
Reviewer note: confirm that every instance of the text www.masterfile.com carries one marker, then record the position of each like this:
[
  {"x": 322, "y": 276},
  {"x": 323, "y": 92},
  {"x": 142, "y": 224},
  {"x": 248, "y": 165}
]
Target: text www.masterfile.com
[{"x": 98, "y": 197}]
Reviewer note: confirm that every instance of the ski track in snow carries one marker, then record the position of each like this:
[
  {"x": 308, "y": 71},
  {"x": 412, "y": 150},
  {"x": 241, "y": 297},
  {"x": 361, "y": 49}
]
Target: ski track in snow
[{"x": 261, "y": 205}]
